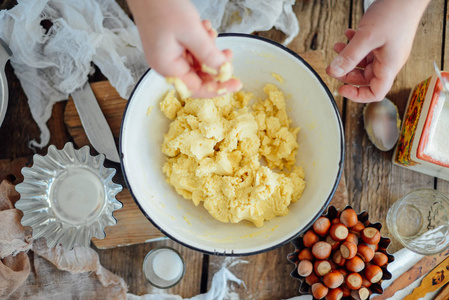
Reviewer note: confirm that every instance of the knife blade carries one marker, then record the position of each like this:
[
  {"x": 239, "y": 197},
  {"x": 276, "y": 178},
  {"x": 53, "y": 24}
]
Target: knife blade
[{"x": 94, "y": 123}]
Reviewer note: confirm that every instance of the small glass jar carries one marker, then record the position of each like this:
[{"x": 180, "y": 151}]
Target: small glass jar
[
  {"x": 420, "y": 221},
  {"x": 163, "y": 267}
]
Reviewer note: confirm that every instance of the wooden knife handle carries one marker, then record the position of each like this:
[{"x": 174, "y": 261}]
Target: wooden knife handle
[
  {"x": 422, "y": 267},
  {"x": 437, "y": 278},
  {"x": 444, "y": 293}
]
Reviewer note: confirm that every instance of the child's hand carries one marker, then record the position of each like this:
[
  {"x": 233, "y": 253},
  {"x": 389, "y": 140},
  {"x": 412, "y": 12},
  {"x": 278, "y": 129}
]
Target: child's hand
[
  {"x": 378, "y": 49},
  {"x": 176, "y": 41}
]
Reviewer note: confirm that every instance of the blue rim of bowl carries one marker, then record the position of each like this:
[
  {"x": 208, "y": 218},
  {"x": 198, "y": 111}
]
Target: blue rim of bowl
[{"x": 326, "y": 203}]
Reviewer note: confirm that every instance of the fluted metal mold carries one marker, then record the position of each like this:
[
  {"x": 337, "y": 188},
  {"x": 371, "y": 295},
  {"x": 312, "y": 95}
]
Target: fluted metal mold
[{"x": 41, "y": 213}]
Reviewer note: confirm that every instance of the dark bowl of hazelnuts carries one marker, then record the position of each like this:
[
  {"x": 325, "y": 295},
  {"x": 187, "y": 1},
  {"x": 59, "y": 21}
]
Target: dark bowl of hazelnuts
[{"x": 342, "y": 256}]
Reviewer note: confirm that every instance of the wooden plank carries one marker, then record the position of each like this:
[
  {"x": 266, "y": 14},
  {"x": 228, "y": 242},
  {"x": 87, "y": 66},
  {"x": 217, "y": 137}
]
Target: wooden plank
[
  {"x": 132, "y": 226},
  {"x": 127, "y": 263},
  {"x": 443, "y": 185},
  {"x": 11, "y": 168},
  {"x": 443, "y": 294},
  {"x": 322, "y": 24},
  {"x": 374, "y": 184},
  {"x": 19, "y": 128}
]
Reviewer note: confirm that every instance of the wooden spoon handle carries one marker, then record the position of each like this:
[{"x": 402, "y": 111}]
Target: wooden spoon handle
[
  {"x": 437, "y": 278},
  {"x": 426, "y": 264},
  {"x": 444, "y": 293}
]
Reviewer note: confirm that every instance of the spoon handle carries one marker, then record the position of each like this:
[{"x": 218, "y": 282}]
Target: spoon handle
[{"x": 443, "y": 81}]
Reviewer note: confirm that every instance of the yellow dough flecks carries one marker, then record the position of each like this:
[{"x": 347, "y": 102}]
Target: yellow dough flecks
[
  {"x": 180, "y": 86},
  {"x": 214, "y": 147}
]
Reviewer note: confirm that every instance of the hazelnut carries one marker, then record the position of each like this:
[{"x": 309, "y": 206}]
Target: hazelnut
[
  {"x": 381, "y": 249},
  {"x": 380, "y": 259},
  {"x": 361, "y": 294},
  {"x": 319, "y": 290},
  {"x": 338, "y": 258},
  {"x": 374, "y": 247},
  {"x": 305, "y": 268},
  {"x": 365, "y": 252},
  {"x": 365, "y": 282},
  {"x": 322, "y": 267},
  {"x": 354, "y": 281},
  {"x": 334, "y": 294},
  {"x": 334, "y": 244},
  {"x": 373, "y": 273},
  {"x": 348, "y": 250},
  {"x": 355, "y": 264},
  {"x": 322, "y": 225},
  {"x": 358, "y": 227},
  {"x": 352, "y": 237},
  {"x": 338, "y": 232},
  {"x": 349, "y": 217},
  {"x": 312, "y": 278},
  {"x": 333, "y": 279},
  {"x": 343, "y": 271},
  {"x": 321, "y": 250},
  {"x": 370, "y": 235},
  {"x": 305, "y": 254},
  {"x": 310, "y": 238},
  {"x": 346, "y": 290},
  {"x": 334, "y": 266},
  {"x": 335, "y": 221}
]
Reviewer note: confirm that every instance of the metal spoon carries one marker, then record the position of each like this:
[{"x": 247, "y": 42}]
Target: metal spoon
[{"x": 382, "y": 124}]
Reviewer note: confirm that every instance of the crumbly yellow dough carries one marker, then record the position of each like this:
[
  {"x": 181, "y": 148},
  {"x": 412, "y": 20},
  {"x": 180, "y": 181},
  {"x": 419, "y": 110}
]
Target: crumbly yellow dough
[
  {"x": 180, "y": 86},
  {"x": 213, "y": 149},
  {"x": 223, "y": 75}
]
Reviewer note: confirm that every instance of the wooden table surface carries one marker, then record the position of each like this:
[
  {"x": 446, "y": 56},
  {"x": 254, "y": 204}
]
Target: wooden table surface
[{"x": 374, "y": 184}]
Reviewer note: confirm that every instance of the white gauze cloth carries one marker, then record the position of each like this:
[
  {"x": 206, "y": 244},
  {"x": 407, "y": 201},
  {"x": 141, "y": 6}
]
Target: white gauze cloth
[
  {"x": 221, "y": 287},
  {"x": 52, "y": 64},
  {"x": 247, "y": 16}
]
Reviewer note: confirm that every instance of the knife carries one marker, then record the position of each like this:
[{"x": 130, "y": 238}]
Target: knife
[{"x": 94, "y": 122}]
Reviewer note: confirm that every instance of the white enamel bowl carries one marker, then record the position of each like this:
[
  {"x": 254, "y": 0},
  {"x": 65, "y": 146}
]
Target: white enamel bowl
[{"x": 310, "y": 106}]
